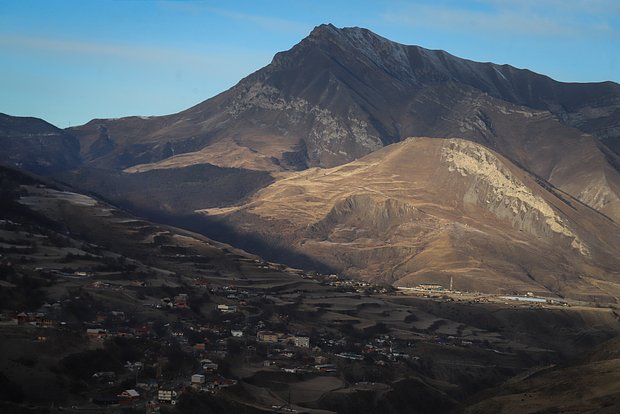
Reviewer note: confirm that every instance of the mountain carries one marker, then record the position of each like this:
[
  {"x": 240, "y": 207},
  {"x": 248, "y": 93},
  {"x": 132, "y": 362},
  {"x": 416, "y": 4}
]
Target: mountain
[
  {"x": 343, "y": 93},
  {"x": 37, "y": 146},
  {"x": 428, "y": 210}
]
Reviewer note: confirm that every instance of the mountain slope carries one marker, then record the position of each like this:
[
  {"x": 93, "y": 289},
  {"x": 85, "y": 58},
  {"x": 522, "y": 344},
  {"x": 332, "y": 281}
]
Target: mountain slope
[
  {"x": 586, "y": 385},
  {"x": 36, "y": 145},
  {"x": 425, "y": 210},
  {"x": 343, "y": 93}
]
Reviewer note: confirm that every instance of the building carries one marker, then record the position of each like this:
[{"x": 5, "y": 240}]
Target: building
[
  {"x": 208, "y": 365},
  {"x": 180, "y": 301},
  {"x": 128, "y": 396},
  {"x": 430, "y": 287},
  {"x": 301, "y": 341},
  {"x": 320, "y": 360},
  {"x": 236, "y": 333},
  {"x": 198, "y": 379},
  {"x": 227, "y": 308},
  {"x": 267, "y": 336},
  {"x": 167, "y": 396}
]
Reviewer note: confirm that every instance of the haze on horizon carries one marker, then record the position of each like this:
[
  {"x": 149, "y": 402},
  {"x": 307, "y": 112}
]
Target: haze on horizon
[{"x": 68, "y": 62}]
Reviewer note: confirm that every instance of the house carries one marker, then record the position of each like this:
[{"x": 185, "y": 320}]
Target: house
[
  {"x": 267, "y": 336},
  {"x": 208, "y": 365},
  {"x": 227, "y": 308},
  {"x": 180, "y": 301},
  {"x": 128, "y": 396},
  {"x": 301, "y": 341},
  {"x": 320, "y": 360},
  {"x": 197, "y": 379},
  {"x": 22, "y": 317},
  {"x": 167, "y": 396}
]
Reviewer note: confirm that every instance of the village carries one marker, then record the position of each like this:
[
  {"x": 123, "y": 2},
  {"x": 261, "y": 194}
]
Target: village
[
  {"x": 110, "y": 326},
  {"x": 206, "y": 337}
]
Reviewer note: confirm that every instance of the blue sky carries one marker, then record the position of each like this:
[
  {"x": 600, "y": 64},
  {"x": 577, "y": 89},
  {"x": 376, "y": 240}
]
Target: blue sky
[{"x": 70, "y": 61}]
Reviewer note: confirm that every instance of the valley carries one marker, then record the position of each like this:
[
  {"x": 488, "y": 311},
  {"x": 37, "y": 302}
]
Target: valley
[{"x": 95, "y": 289}]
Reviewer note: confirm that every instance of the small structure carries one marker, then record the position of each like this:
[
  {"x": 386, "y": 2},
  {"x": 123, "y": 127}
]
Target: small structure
[
  {"x": 198, "y": 379},
  {"x": 167, "y": 396},
  {"x": 267, "y": 336},
  {"x": 320, "y": 360},
  {"x": 301, "y": 341},
  {"x": 180, "y": 301},
  {"x": 227, "y": 308},
  {"x": 236, "y": 333},
  {"x": 430, "y": 287},
  {"x": 208, "y": 365},
  {"x": 128, "y": 396}
]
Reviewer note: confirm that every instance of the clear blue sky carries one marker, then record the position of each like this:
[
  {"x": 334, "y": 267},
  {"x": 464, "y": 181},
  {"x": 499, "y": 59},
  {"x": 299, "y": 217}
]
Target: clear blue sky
[{"x": 68, "y": 61}]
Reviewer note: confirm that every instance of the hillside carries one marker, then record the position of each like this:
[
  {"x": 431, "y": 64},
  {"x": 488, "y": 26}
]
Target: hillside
[
  {"x": 585, "y": 385},
  {"x": 341, "y": 94},
  {"x": 426, "y": 210},
  {"x": 165, "y": 304},
  {"x": 37, "y": 146}
]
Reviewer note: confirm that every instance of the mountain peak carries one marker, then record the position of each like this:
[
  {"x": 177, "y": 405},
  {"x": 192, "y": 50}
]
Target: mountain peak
[{"x": 355, "y": 35}]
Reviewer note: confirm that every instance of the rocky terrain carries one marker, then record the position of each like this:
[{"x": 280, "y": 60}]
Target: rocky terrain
[
  {"x": 426, "y": 210},
  {"x": 343, "y": 93},
  {"x": 540, "y": 163}
]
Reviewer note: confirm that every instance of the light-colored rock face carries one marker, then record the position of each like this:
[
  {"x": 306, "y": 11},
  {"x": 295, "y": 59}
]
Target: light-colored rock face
[
  {"x": 328, "y": 136},
  {"x": 424, "y": 209},
  {"x": 502, "y": 192}
]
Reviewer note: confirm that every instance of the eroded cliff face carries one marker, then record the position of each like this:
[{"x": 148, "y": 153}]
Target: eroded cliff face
[
  {"x": 425, "y": 210},
  {"x": 330, "y": 138},
  {"x": 498, "y": 190}
]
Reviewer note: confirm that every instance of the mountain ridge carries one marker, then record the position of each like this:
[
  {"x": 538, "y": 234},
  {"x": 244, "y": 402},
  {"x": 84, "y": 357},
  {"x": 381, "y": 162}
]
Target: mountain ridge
[{"x": 341, "y": 94}]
